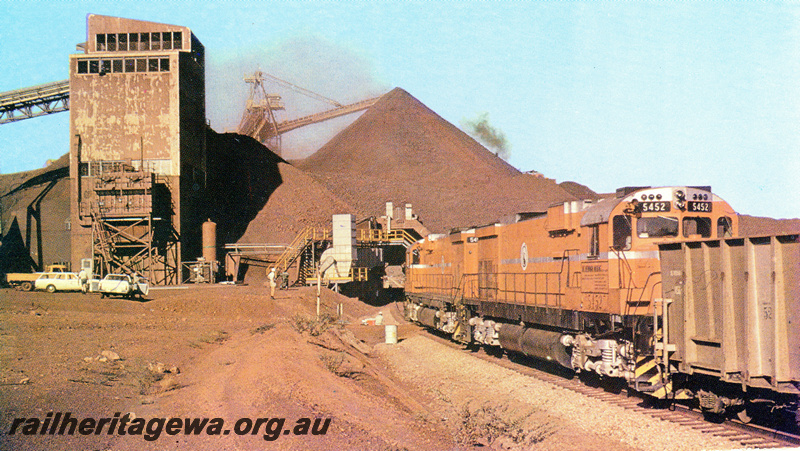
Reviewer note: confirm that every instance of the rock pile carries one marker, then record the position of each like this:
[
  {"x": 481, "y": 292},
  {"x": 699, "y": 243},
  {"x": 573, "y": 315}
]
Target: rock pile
[{"x": 399, "y": 150}]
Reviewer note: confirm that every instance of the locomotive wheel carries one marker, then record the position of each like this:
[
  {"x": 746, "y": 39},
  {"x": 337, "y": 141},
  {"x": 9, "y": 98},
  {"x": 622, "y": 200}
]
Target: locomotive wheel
[
  {"x": 51, "y": 288},
  {"x": 27, "y": 286}
]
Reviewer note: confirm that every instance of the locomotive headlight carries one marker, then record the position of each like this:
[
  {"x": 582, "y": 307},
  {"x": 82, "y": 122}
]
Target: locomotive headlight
[
  {"x": 680, "y": 195},
  {"x": 680, "y": 205}
]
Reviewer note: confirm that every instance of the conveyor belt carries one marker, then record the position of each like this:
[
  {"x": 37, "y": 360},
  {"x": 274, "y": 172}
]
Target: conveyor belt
[{"x": 34, "y": 101}]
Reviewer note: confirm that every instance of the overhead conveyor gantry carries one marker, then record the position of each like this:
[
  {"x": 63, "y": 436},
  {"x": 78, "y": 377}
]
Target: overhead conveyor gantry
[{"x": 34, "y": 101}]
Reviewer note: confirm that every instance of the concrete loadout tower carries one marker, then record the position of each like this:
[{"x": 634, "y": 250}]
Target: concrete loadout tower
[{"x": 137, "y": 147}]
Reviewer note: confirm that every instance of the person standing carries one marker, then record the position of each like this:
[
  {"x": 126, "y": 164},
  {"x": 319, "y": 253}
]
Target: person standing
[
  {"x": 272, "y": 283},
  {"x": 83, "y": 276}
]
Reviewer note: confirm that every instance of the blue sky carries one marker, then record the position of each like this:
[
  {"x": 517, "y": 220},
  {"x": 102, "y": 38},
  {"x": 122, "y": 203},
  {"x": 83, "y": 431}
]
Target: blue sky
[{"x": 607, "y": 94}]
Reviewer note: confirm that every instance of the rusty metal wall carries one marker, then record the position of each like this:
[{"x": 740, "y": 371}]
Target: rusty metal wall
[
  {"x": 150, "y": 117},
  {"x": 126, "y": 116},
  {"x": 735, "y": 310}
]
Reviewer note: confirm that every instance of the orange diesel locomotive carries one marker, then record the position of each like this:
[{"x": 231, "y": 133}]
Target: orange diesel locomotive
[
  {"x": 654, "y": 286},
  {"x": 578, "y": 285}
]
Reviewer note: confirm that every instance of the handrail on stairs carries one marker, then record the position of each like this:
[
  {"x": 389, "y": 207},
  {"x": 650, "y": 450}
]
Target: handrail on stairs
[{"x": 295, "y": 249}]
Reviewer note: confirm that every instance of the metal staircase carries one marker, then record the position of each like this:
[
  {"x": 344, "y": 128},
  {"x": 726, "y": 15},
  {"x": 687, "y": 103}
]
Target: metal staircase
[
  {"x": 129, "y": 235},
  {"x": 308, "y": 266},
  {"x": 303, "y": 240},
  {"x": 305, "y": 246}
]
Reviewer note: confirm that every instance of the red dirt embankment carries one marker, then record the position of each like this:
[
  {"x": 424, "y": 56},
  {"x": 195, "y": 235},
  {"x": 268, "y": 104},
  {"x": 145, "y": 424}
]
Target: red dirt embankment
[{"x": 232, "y": 352}]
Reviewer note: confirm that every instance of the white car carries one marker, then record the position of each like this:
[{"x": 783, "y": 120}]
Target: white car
[
  {"x": 58, "y": 281},
  {"x": 122, "y": 285}
]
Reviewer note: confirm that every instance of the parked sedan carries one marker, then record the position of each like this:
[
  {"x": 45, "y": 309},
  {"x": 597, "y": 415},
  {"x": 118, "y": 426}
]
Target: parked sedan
[
  {"x": 121, "y": 285},
  {"x": 58, "y": 281}
]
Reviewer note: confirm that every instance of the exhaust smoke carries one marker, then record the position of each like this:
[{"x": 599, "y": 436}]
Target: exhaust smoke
[{"x": 491, "y": 137}]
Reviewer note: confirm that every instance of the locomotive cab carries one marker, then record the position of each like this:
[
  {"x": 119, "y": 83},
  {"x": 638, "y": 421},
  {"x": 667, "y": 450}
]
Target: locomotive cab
[
  {"x": 621, "y": 272},
  {"x": 652, "y": 215}
]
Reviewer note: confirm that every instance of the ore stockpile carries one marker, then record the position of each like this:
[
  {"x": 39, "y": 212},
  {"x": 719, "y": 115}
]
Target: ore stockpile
[
  {"x": 257, "y": 197},
  {"x": 398, "y": 151}
]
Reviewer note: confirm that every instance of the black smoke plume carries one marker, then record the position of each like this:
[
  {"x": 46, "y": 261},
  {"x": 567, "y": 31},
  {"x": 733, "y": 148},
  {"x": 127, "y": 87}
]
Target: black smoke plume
[{"x": 491, "y": 137}]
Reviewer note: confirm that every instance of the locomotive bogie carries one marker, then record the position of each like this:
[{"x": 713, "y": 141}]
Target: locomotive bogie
[
  {"x": 606, "y": 357},
  {"x": 485, "y": 332}
]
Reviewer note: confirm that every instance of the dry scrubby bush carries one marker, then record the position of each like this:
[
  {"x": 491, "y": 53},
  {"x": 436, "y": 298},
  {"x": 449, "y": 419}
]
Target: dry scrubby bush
[
  {"x": 218, "y": 336},
  {"x": 151, "y": 383},
  {"x": 312, "y": 325},
  {"x": 332, "y": 361},
  {"x": 213, "y": 337},
  {"x": 342, "y": 365},
  {"x": 155, "y": 378},
  {"x": 490, "y": 425},
  {"x": 101, "y": 373},
  {"x": 262, "y": 328}
]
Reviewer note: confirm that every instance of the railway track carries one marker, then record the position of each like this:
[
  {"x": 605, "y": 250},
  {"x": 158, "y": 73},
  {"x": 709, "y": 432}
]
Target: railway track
[{"x": 744, "y": 435}]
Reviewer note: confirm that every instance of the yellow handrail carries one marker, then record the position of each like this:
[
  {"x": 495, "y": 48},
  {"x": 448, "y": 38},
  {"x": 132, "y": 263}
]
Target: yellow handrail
[
  {"x": 356, "y": 274},
  {"x": 299, "y": 243},
  {"x": 378, "y": 235}
]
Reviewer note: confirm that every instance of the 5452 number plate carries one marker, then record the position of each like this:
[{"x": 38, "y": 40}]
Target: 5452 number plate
[
  {"x": 704, "y": 207},
  {"x": 660, "y": 207}
]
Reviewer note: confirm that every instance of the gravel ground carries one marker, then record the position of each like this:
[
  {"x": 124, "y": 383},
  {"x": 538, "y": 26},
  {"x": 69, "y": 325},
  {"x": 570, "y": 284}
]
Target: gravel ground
[{"x": 519, "y": 412}]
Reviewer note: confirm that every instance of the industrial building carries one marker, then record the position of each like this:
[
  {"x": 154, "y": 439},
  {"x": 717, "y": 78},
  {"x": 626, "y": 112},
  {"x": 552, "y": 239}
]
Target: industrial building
[
  {"x": 144, "y": 170},
  {"x": 137, "y": 147}
]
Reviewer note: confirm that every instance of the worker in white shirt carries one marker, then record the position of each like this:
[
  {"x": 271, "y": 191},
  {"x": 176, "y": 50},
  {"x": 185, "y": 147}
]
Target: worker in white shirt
[{"x": 272, "y": 283}]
